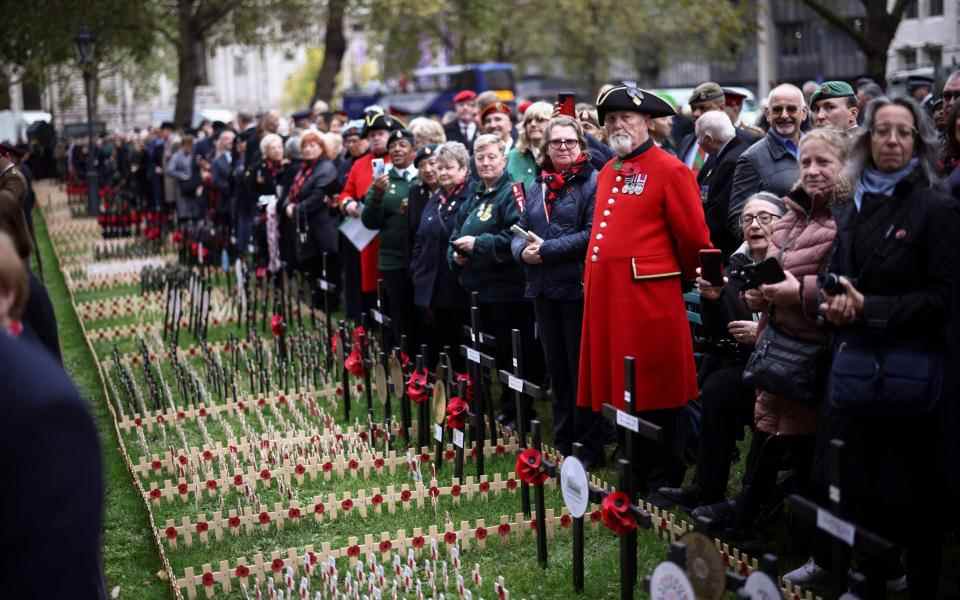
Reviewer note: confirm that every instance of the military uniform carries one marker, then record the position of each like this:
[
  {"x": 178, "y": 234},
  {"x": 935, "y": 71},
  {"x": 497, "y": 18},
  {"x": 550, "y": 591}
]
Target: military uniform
[
  {"x": 13, "y": 185},
  {"x": 389, "y": 215}
]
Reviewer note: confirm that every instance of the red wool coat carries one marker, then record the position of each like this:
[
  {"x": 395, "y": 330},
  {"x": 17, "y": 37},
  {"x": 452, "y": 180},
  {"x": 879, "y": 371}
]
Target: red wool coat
[
  {"x": 640, "y": 245},
  {"x": 359, "y": 180}
]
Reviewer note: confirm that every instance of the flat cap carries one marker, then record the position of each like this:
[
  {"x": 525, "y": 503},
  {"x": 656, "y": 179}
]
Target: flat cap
[
  {"x": 626, "y": 96},
  {"x": 832, "y": 89},
  {"x": 918, "y": 81},
  {"x": 705, "y": 92}
]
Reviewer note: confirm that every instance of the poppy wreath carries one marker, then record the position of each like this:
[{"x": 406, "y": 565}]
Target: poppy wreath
[
  {"x": 417, "y": 386},
  {"x": 277, "y": 325},
  {"x": 530, "y": 467},
  {"x": 616, "y": 515},
  {"x": 457, "y": 411}
]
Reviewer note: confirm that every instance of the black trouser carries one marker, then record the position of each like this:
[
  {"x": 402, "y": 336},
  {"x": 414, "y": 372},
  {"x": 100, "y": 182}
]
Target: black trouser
[
  {"x": 441, "y": 328},
  {"x": 313, "y": 268},
  {"x": 559, "y": 325},
  {"x": 769, "y": 454},
  {"x": 727, "y": 406},
  {"x": 499, "y": 319},
  {"x": 400, "y": 309},
  {"x": 658, "y": 464},
  {"x": 357, "y": 303}
]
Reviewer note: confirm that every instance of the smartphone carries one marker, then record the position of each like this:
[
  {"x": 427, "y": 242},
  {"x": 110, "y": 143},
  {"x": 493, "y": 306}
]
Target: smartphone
[
  {"x": 519, "y": 232},
  {"x": 769, "y": 271},
  {"x": 378, "y": 167},
  {"x": 711, "y": 266},
  {"x": 567, "y": 104}
]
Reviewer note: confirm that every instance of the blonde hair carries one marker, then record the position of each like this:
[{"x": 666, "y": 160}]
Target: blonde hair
[
  {"x": 537, "y": 110},
  {"x": 426, "y": 131},
  {"x": 489, "y": 139},
  {"x": 333, "y": 143}
]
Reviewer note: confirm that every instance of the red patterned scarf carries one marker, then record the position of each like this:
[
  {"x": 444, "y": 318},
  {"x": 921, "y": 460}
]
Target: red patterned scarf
[{"x": 556, "y": 180}]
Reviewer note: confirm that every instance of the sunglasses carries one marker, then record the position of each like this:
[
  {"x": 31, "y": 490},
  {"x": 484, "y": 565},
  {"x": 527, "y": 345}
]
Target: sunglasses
[{"x": 558, "y": 144}]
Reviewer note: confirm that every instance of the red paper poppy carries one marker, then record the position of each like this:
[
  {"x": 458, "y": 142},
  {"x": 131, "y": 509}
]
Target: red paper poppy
[
  {"x": 378, "y": 463},
  {"x": 242, "y": 571},
  {"x": 417, "y": 386},
  {"x": 405, "y": 496},
  {"x": 193, "y": 351},
  {"x": 359, "y": 388},
  {"x": 300, "y": 469},
  {"x": 457, "y": 410},
  {"x": 202, "y": 412},
  {"x": 264, "y": 518},
  {"x": 354, "y": 362},
  {"x": 277, "y": 325},
  {"x": 171, "y": 533},
  {"x": 182, "y": 459},
  {"x": 529, "y": 467},
  {"x": 211, "y": 484},
  {"x": 450, "y": 538},
  {"x": 434, "y": 491},
  {"x": 238, "y": 480},
  {"x": 615, "y": 511},
  {"x": 277, "y": 565},
  {"x": 418, "y": 542},
  {"x": 176, "y": 237},
  {"x": 346, "y": 505},
  {"x": 353, "y": 551},
  {"x": 312, "y": 558},
  {"x": 233, "y": 522},
  {"x": 484, "y": 486},
  {"x": 261, "y": 403},
  {"x": 327, "y": 467},
  {"x": 281, "y": 399},
  {"x": 181, "y": 415},
  {"x": 424, "y": 458},
  {"x": 501, "y": 449},
  {"x": 565, "y": 520},
  {"x": 207, "y": 455},
  {"x": 339, "y": 391},
  {"x": 503, "y": 529},
  {"x": 319, "y": 508},
  {"x": 261, "y": 272},
  {"x": 208, "y": 579},
  {"x": 265, "y": 474},
  {"x": 385, "y": 546},
  {"x": 363, "y": 435},
  {"x": 183, "y": 489},
  {"x": 596, "y": 515},
  {"x": 480, "y": 533},
  {"x": 353, "y": 464},
  {"x": 160, "y": 419},
  {"x": 156, "y": 465},
  {"x": 449, "y": 455},
  {"x": 377, "y": 499},
  {"x": 533, "y": 524},
  {"x": 293, "y": 513},
  {"x": 155, "y": 494},
  {"x": 202, "y": 527},
  {"x": 455, "y": 491},
  {"x": 511, "y": 484}
]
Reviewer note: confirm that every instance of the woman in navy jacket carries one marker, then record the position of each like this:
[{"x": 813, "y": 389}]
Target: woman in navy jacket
[{"x": 558, "y": 214}]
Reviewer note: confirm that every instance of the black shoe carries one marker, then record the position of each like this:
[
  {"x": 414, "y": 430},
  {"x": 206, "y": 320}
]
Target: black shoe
[
  {"x": 719, "y": 513},
  {"x": 686, "y": 497}
]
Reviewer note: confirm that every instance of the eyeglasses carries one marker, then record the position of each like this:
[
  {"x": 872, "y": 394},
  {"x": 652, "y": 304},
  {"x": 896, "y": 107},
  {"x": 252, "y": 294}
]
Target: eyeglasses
[
  {"x": 764, "y": 218},
  {"x": 790, "y": 109},
  {"x": 883, "y": 132},
  {"x": 558, "y": 144},
  {"x": 949, "y": 96}
]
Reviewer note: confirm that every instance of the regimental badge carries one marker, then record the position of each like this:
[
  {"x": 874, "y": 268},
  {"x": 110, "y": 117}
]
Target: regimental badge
[
  {"x": 403, "y": 206},
  {"x": 485, "y": 212},
  {"x": 634, "y": 184}
]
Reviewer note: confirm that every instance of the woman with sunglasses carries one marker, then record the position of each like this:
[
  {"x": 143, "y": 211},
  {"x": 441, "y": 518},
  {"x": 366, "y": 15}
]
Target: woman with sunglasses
[{"x": 558, "y": 214}]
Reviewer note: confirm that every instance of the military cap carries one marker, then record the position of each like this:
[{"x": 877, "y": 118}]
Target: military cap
[
  {"x": 918, "y": 81},
  {"x": 425, "y": 152},
  {"x": 496, "y": 107},
  {"x": 732, "y": 97},
  {"x": 628, "y": 97},
  {"x": 378, "y": 120},
  {"x": 167, "y": 125},
  {"x": 705, "y": 92},
  {"x": 464, "y": 96},
  {"x": 300, "y": 115},
  {"x": 523, "y": 106},
  {"x": 354, "y": 127},
  {"x": 400, "y": 134},
  {"x": 832, "y": 89},
  {"x": 862, "y": 81},
  {"x": 934, "y": 106}
]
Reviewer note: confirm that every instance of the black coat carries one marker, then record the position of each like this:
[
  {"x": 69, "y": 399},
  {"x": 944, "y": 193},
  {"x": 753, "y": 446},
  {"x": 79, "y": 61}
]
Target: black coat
[
  {"x": 453, "y": 133},
  {"x": 730, "y": 306},
  {"x": 599, "y": 153},
  {"x": 39, "y": 320},
  {"x": 716, "y": 182},
  {"x": 313, "y": 211},
  {"x": 51, "y": 509},
  {"x": 434, "y": 284},
  {"x": 566, "y": 235},
  {"x": 417, "y": 200}
]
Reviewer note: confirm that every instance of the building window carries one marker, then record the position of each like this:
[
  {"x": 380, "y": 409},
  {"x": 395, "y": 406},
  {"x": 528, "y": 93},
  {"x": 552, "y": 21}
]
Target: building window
[
  {"x": 934, "y": 55},
  {"x": 908, "y": 57},
  {"x": 239, "y": 65},
  {"x": 935, "y": 8},
  {"x": 911, "y": 10},
  {"x": 791, "y": 39}
]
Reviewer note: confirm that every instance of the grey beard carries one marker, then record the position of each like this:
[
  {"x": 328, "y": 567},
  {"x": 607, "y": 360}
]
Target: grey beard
[{"x": 621, "y": 143}]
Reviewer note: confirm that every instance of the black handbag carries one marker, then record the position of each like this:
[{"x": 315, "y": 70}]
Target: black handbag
[
  {"x": 880, "y": 380},
  {"x": 787, "y": 366}
]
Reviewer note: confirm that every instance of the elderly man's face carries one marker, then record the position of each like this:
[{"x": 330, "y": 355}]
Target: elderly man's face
[
  {"x": 466, "y": 111},
  {"x": 951, "y": 91},
  {"x": 786, "y": 112},
  {"x": 698, "y": 108},
  {"x": 626, "y": 130},
  {"x": 498, "y": 124}
]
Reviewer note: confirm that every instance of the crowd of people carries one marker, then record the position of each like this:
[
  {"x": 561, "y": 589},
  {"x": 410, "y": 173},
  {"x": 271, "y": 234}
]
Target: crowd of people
[{"x": 583, "y": 226}]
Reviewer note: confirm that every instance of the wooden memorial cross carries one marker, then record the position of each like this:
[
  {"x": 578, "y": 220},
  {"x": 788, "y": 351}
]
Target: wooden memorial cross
[
  {"x": 458, "y": 436},
  {"x": 520, "y": 388},
  {"x": 400, "y": 387},
  {"x": 366, "y": 359},
  {"x": 847, "y": 536},
  {"x": 477, "y": 361},
  {"x": 438, "y": 405},
  {"x": 327, "y": 288},
  {"x": 423, "y": 420},
  {"x": 344, "y": 373},
  {"x": 378, "y": 315},
  {"x": 539, "y": 501}
]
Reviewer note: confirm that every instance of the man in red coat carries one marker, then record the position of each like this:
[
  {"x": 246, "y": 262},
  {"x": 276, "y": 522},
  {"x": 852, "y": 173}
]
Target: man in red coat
[
  {"x": 648, "y": 229},
  {"x": 360, "y": 275}
]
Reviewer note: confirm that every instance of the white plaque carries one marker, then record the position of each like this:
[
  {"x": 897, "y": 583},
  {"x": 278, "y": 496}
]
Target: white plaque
[
  {"x": 438, "y": 432},
  {"x": 836, "y": 527},
  {"x": 515, "y": 383},
  {"x": 629, "y": 421},
  {"x": 473, "y": 355},
  {"x": 574, "y": 486},
  {"x": 670, "y": 582},
  {"x": 458, "y": 438}
]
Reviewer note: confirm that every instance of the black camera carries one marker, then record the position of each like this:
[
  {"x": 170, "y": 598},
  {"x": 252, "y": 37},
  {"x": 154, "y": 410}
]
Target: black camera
[
  {"x": 830, "y": 284},
  {"x": 753, "y": 276}
]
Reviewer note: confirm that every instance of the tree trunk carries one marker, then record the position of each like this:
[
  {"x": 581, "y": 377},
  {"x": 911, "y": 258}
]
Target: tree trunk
[
  {"x": 335, "y": 46},
  {"x": 187, "y": 65}
]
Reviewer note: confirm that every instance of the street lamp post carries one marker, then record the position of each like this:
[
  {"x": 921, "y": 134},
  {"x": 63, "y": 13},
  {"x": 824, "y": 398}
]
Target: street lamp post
[{"x": 86, "y": 43}]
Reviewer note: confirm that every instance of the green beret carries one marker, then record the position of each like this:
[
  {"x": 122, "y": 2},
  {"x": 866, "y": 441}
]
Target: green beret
[
  {"x": 832, "y": 89},
  {"x": 705, "y": 92}
]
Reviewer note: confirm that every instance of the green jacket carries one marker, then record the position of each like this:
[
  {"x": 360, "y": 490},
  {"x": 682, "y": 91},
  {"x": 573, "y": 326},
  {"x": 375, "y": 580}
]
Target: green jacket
[
  {"x": 389, "y": 215},
  {"x": 521, "y": 166},
  {"x": 488, "y": 215}
]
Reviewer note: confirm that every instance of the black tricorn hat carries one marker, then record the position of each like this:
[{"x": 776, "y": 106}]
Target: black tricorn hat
[
  {"x": 379, "y": 120},
  {"x": 627, "y": 96}
]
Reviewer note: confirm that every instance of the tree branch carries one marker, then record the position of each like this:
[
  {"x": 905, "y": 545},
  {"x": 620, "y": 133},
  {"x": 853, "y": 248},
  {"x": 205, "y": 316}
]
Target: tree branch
[{"x": 837, "y": 21}]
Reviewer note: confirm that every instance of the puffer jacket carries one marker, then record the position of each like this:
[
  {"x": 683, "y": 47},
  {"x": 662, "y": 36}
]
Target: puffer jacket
[
  {"x": 565, "y": 236},
  {"x": 802, "y": 241}
]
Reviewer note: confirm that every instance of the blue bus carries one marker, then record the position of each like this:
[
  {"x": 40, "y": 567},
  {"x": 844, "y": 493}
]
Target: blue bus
[{"x": 433, "y": 89}]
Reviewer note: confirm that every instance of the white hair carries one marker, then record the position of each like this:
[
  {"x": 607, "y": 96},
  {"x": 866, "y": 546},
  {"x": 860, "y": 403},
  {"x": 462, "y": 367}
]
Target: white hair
[
  {"x": 269, "y": 139},
  {"x": 489, "y": 139},
  {"x": 717, "y": 125}
]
